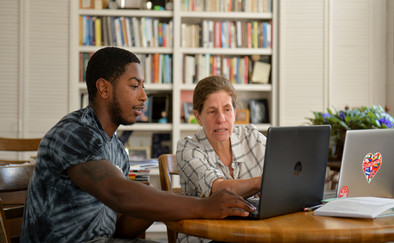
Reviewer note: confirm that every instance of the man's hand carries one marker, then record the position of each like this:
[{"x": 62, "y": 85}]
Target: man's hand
[{"x": 225, "y": 203}]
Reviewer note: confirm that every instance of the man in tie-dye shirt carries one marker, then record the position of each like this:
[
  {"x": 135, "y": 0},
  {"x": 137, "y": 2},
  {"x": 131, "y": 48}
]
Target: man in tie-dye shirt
[{"x": 79, "y": 185}]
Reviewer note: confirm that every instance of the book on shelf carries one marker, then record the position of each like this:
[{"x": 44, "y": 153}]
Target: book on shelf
[
  {"x": 136, "y": 31},
  {"x": 358, "y": 207},
  {"x": 261, "y": 72},
  {"x": 226, "y": 34},
  {"x": 105, "y": 31},
  {"x": 155, "y": 65},
  {"x": 124, "y": 31},
  {"x": 83, "y": 63},
  {"x": 98, "y": 33},
  {"x": 155, "y": 33},
  {"x": 189, "y": 69},
  {"x": 144, "y": 32},
  {"x": 158, "y": 66},
  {"x": 148, "y": 68},
  {"x": 237, "y": 69},
  {"x": 160, "y": 74}
]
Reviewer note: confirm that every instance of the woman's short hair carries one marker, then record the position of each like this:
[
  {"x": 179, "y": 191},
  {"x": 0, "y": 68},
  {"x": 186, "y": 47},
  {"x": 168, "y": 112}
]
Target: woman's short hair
[{"x": 209, "y": 85}]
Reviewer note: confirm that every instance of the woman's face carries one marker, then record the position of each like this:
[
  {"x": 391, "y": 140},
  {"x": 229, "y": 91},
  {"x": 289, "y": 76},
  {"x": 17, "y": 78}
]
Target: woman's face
[{"x": 217, "y": 117}]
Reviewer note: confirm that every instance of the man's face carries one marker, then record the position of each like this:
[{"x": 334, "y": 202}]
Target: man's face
[{"x": 128, "y": 96}]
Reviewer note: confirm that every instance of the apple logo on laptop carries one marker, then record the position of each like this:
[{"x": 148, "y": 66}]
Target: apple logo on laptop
[{"x": 297, "y": 168}]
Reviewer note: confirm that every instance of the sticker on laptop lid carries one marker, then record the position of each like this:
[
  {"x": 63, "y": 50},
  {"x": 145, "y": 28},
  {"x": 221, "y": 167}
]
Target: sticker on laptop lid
[
  {"x": 371, "y": 165},
  {"x": 344, "y": 192}
]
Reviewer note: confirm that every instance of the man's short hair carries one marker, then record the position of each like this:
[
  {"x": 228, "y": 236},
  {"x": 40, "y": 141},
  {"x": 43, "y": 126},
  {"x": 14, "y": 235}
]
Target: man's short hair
[{"x": 107, "y": 63}]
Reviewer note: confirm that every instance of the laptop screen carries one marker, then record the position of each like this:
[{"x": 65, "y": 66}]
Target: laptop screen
[
  {"x": 294, "y": 169},
  {"x": 367, "y": 165}
]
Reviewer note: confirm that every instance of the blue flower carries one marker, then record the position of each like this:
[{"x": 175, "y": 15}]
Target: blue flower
[
  {"x": 385, "y": 121},
  {"x": 342, "y": 116},
  {"x": 325, "y": 116}
]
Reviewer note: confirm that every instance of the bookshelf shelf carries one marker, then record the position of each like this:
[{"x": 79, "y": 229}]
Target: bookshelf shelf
[
  {"x": 238, "y": 87},
  {"x": 148, "y": 87},
  {"x": 137, "y": 50},
  {"x": 147, "y": 127},
  {"x": 227, "y": 51},
  {"x": 195, "y": 127},
  {"x": 126, "y": 13},
  {"x": 177, "y": 52},
  {"x": 225, "y": 15}
]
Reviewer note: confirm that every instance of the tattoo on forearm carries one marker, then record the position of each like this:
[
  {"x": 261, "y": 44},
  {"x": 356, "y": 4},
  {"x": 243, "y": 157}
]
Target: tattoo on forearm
[{"x": 90, "y": 173}]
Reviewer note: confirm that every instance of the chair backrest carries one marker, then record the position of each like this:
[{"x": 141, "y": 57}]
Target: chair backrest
[
  {"x": 167, "y": 168},
  {"x": 14, "y": 180},
  {"x": 18, "y": 145}
]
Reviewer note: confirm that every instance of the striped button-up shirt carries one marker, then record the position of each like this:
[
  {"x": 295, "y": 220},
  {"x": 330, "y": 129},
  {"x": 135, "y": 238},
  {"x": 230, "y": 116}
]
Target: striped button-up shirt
[{"x": 199, "y": 166}]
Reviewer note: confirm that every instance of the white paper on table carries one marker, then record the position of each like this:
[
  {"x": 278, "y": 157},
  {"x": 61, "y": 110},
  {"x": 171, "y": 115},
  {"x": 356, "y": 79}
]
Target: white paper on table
[{"x": 358, "y": 207}]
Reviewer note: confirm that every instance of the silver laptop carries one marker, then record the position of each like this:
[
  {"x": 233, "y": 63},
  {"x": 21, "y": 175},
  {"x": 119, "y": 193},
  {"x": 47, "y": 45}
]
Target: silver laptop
[
  {"x": 367, "y": 167},
  {"x": 294, "y": 169}
]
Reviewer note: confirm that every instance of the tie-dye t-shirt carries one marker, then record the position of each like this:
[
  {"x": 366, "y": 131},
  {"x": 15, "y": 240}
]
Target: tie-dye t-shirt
[{"x": 56, "y": 209}]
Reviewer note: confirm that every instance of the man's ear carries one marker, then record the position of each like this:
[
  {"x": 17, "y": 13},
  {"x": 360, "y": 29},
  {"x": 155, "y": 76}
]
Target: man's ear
[
  {"x": 103, "y": 88},
  {"x": 195, "y": 112}
]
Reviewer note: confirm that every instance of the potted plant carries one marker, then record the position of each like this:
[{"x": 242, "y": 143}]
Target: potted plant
[{"x": 356, "y": 118}]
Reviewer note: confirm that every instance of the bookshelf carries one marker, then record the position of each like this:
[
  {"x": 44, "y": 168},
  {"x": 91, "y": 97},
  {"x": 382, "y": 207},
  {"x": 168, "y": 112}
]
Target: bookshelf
[{"x": 231, "y": 53}]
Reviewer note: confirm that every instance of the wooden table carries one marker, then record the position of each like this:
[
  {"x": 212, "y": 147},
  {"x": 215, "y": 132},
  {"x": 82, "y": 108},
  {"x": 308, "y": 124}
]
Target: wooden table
[{"x": 296, "y": 227}]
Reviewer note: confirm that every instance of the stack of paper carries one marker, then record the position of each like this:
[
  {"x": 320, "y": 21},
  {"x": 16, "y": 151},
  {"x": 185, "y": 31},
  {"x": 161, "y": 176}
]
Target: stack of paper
[
  {"x": 358, "y": 207},
  {"x": 139, "y": 170}
]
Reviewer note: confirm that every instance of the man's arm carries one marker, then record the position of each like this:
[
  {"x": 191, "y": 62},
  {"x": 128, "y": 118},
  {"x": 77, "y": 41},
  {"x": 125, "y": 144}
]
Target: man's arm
[
  {"x": 243, "y": 187},
  {"x": 130, "y": 227},
  {"x": 107, "y": 183}
]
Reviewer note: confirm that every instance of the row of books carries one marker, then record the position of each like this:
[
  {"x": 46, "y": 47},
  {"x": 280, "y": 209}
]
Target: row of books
[
  {"x": 237, "y": 69},
  {"x": 125, "y": 31},
  {"x": 227, "y": 34},
  {"x": 259, "y": 6},
  {"x": 157, "y": 67}
]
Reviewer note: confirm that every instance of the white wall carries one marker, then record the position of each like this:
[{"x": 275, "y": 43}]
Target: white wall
[
  {"x": 390, "y": 56},
  {"x": 332, "y": 55},
  {"x": 9, "y": 67},
  {"x": 34, "y": 66}
]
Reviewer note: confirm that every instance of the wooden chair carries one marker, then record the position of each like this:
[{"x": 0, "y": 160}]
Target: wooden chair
[
  {"x": 167, "y": 168},
  {"x": 14, "y": 180},
  {"x": 18, "y": 145},
  {"x": 4, "y": 237}
]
